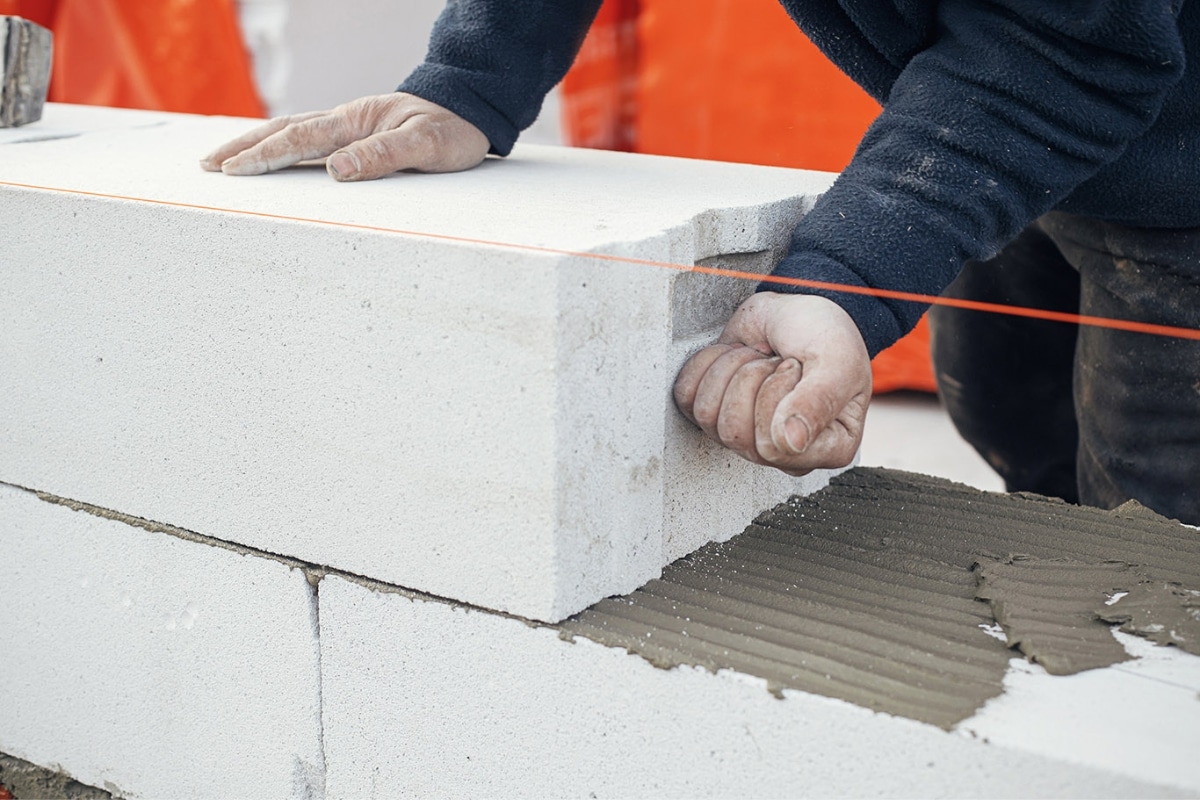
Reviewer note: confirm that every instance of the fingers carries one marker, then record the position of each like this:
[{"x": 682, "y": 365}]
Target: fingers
[
  {"x": 717, "y": 390},
  {"x": 688, "y": 380},
  {"x": 800, "y": 410},
  {"x": 714, "y": 386},
  {"x": 213, "y": 161},
  {"x": 364, "y": 139},
  {"x": 736, "y": 423},
  {"x": 313, "y": 137},
  {"x": 423, "y": 142},
  {"x": 775, "y": 390},
  {"x": 810, "y": 416}
]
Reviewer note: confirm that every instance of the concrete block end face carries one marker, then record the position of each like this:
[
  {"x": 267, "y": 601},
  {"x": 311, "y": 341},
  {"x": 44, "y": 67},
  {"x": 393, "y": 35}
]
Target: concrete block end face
[
  {"x": 26, "y": 51},
  {"x": 140, "y": 661},
  {"x": 611, "y": 380}
]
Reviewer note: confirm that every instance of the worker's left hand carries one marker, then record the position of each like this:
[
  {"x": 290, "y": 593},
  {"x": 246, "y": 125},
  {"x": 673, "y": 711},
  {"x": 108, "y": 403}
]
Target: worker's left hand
[
  {"x": 787, "y": 384},
  {"x": 364, "y": 139}
]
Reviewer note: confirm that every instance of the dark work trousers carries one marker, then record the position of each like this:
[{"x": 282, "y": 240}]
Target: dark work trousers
[{"x": 1089, "y": 414}]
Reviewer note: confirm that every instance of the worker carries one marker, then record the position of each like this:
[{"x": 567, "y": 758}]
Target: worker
[{"x": 1030, "y": 153}]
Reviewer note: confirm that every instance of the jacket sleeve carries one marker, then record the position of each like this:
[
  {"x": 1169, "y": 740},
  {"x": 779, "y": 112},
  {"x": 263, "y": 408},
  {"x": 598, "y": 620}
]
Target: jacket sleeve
[
  {"x": 492, "y": 62},
  {"x": 1012, "y": 106}
]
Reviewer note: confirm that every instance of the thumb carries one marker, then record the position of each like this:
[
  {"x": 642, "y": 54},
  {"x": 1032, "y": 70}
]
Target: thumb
[
  {"x": 809, "y": 408},
  {"x": 417, "y": 144}
]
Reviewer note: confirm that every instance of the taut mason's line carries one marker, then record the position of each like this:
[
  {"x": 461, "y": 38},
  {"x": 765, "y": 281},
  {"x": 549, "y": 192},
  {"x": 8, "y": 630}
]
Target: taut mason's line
[{"x": 890, "y": 294}]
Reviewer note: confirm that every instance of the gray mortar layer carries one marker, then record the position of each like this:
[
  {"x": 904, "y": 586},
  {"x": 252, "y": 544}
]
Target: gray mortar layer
[
  {"x": 1163, "y": 612},
  {"x": 1047, "y": 609},
  {"x": 864, "y": 591},
  {"x": 30, "y": 782}
]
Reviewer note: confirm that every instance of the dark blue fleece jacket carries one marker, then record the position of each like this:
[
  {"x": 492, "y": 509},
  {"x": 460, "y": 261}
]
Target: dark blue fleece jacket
[{"x": 995, "y": 112}]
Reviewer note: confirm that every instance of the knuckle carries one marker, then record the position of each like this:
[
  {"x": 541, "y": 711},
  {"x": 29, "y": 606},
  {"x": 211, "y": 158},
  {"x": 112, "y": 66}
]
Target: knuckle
[
  {"x": 292, "y": 137},
  {"x": 372, "y": 153},
  {"x": 682, "y": 397},
  {"x": 425, "y": 137},
  {"x": 730, "y": 433},
  {"x": 705, "y": 414}
]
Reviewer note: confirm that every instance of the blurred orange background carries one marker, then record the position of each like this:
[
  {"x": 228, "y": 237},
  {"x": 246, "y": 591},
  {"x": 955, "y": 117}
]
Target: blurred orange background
[{"x": 167, "y": 55}]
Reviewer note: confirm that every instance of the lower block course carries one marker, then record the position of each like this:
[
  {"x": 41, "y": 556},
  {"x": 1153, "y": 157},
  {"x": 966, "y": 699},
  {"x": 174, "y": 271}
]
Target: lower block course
[
  {"x": 154, "y": 663},
  {"x": 427, "y": 699},
  {"x": 152, "y": 666}
]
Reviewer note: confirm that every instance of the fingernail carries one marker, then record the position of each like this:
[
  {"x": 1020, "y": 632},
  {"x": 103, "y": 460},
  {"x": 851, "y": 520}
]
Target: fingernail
[
  {"x": 798, "y": 433},
  {"x": 342, "y": 165}
]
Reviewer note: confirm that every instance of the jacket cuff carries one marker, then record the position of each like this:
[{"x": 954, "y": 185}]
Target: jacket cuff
[
  {"x": 449, "y": 87},
  {"x": 880, "y": 322}
]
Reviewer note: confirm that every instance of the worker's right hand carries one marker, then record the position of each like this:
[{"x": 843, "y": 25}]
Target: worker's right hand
[
  {"x": 787, "y": 384},
  {"x": 363, "y": 139}
]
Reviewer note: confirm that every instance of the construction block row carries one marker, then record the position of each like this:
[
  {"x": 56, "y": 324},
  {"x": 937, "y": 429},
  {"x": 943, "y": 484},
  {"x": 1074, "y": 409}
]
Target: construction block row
[
  {"x": 458, "y": 383},
  {"x": 152, "y": 663}
]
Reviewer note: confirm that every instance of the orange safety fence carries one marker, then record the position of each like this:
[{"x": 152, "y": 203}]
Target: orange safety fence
[
  {"x": 728, "y": 80},
  {"x": 598, "y": 92},
  {"x": 166, "y": 55}
]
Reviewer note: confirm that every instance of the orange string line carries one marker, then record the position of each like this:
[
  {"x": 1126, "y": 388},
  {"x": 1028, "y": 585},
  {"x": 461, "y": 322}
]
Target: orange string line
[{"x": 890, "y": 294}]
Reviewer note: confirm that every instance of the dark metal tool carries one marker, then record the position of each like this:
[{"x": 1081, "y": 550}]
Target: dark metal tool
[{"x": 25, "y": 54}]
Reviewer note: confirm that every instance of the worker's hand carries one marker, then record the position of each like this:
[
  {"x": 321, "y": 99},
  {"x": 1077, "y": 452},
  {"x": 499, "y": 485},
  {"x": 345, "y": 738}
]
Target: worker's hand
[
  {"x": 787, "y": 385},
  {"x": 364, "y": 139}
]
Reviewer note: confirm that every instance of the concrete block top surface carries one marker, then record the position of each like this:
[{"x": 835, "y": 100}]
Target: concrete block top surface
[
  {"x": 429, "y": 380},
  {"x": 568, "y": 198}
]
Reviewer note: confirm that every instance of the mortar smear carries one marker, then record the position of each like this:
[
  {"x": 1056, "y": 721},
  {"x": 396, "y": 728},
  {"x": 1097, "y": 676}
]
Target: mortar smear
[
  {"x": 28, "y": 781},
  {"x": 1047, "y": 609},
  {"x": 1165, "y": 613},
  {"x": 864, "y": 591}
]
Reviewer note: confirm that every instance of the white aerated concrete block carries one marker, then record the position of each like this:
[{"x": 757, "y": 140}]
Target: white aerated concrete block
[
  {"x": 425, "y": 380},
  {"x": 152, "y": 666},
  {"x": 426, "y": 699},
  {"x": 1140, "y": 718}
]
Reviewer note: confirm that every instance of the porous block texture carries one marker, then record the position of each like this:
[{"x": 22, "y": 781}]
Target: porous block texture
[
  {"x": 427, "y": 699},
  {"x": 152, "y": 666},
  {"x": 429, "y": 380},
  {"x": 25, "y": 56}
]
